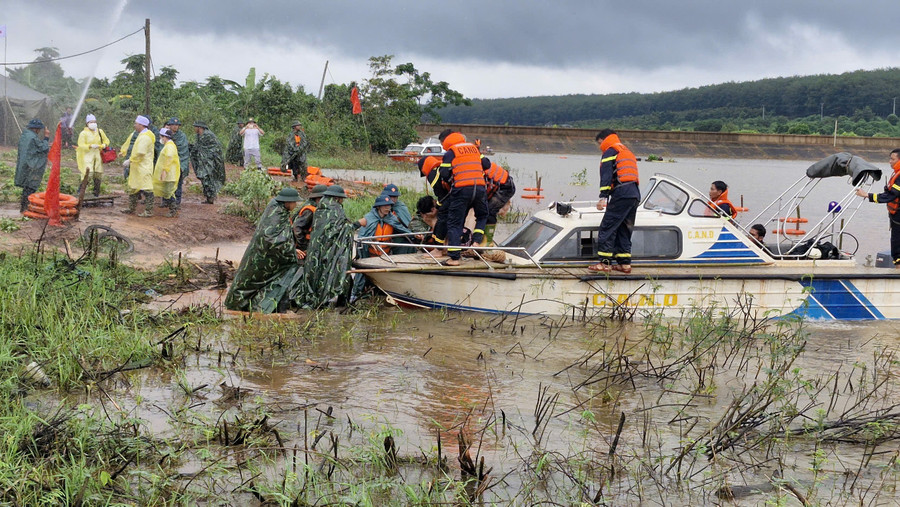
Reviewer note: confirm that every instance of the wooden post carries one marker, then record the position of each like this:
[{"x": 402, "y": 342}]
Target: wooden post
[{"x": 147, "y": 67}]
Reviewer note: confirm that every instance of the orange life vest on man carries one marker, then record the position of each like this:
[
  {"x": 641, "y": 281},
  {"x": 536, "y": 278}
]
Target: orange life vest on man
[
  {"x": 311, "y": 209},
  {"x": 626, "y": 162},
  {"x": 893, "y": 205},
  {"x": 466, "y": 166},
  {"x": 382, "y": 229},
  {"x": 494, "y": 177},
  {"x": 722, "y": 200}
]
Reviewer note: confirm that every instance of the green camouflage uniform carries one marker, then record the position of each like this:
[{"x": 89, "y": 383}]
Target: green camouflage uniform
[
  {"x": 209, "y": 166},
  {"x": 328, "y": 257},
  {"x": 235, "y": 153},
  {"x": 268, "y": 267},
  {"x": 184, "y": 159},
  {"x": 294, "y": 154},
  {"x": 30, "y": 164},
  {"x": 301, "y": 223}
]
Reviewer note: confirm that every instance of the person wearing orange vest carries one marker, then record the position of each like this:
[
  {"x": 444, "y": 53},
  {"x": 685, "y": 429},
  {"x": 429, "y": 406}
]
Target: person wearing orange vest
[
  {"x": 380, "y": 222},
  {"x": 500, "y": 189},
  {"x": 463, "y": 169},
  {"x": 302, "y": 220},
  {"x": 619, "y": 197},
  {"x": 891, "y": 197},
  {"x": 718, "y": 195},
  {"x": 294, "y": 155},
  {"x": 429, "y": 168}
]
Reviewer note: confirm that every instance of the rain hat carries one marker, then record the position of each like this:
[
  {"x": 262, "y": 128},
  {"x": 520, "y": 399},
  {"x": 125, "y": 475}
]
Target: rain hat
[
  {"x": 288, "y": 194},
  {"x": 201, "y": 124},
  {"x": 165, "y": 132},
  {"x": 335, "y": 191},
  {"x": 296, "y": 124},
  {"x": 173, "y": 121},
  {"x": 142, "y": 120},
  {"x": 318, "y": 191},
  {"x": 89, "y": 118},
  {"x": 383, "y": 200},
  {"x": 35, "y": 124},
  {"x": 391, "y": 190}
]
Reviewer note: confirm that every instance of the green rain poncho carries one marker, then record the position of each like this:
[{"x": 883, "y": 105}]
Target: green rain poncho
[
  {"x": 208, "y": 162},
  {"x": 328, "y": 257},
  {"x": 295, "y": 148},
  {"x": 32, "y": 160},
  {"x": 269, "y": 264},
  {"x": 235, "y": 152}
]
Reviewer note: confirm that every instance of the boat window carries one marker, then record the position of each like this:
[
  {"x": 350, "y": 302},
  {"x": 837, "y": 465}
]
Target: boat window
[
  {"x": 433, "y": 149},
  {"x": 701, "y": 209},
  {"x": 532, "y": 236},
  {"x": 647, "y": 243},
  {"x": 649, "y": 187},
  {"x": 666, "y": 198}
]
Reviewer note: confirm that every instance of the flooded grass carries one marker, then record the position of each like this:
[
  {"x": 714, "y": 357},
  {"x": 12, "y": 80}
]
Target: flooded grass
[{"x": 376, "y": 406}]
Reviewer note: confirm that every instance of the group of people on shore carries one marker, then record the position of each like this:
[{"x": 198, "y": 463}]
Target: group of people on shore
[{"x": 244, "y": 148}]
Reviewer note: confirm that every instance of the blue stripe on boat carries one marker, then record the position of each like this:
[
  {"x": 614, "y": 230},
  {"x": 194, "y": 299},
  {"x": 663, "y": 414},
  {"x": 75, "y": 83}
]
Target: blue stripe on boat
[{"x": 836, "y": 299}]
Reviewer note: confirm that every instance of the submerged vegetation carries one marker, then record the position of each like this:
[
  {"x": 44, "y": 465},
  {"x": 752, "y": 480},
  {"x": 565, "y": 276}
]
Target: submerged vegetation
[{"x": 105, "y": 400}]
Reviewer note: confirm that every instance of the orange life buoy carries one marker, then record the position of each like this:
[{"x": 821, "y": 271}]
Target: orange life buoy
[
  {"x": 65, "y": 200},
  {"x": 533, "y": 189},
  {"x": 39, "y": 216},
  {"x": 793, "y": 220},
  {"x": 536, "y": 196},
  {"x": 34, "y": 208}
]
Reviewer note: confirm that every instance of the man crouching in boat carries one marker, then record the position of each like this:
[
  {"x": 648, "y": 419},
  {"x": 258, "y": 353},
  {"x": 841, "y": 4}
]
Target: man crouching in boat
[
  {"x": 890, "y": 196},
  {"x": 619, "y": 196}
]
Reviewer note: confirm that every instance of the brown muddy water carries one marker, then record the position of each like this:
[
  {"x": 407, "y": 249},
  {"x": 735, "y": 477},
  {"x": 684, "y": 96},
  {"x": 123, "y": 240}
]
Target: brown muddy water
[{"x": 769, "y": 412}]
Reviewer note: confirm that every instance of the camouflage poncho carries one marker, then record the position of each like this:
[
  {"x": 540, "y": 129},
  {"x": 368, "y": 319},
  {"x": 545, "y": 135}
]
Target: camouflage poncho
[
  {"x": 209, "y": 165},
  {"x": 235, "y": 153},
  {"x": 328, "y": 257},
  {"x": 269, "y": 265},
  {"x": 32, "y": 160}
]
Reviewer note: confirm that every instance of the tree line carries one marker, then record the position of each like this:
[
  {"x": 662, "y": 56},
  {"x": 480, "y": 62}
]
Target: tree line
[
  {"x": 395, "y": 98},
  {"x": 862, "y": 102}
]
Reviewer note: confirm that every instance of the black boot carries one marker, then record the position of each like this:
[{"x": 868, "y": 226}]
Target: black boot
[{"x": 96, "y": 187}]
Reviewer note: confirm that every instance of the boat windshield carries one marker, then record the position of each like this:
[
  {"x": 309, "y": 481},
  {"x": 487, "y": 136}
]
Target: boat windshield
[
  {"x": 531, "y": 236},
  {"x": 666, "y": 198}
]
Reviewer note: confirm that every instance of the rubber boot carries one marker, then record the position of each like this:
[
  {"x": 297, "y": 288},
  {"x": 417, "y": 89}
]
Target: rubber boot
[
  {"x": 132, "y": 203},
  {"x": 148, "y": 205},
  {"x": 173, "y": 208},
  {"x": 489, "y": 234},
  {"x": 96, "y": 186}
]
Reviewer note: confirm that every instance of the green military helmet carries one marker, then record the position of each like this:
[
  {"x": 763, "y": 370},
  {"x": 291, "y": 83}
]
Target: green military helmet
[
  {"x": 288, "y": 194},
  {"x": 335, "y": 191},
  {"x": 383, "y": 200},
  {"x": 318, "y": 191}
]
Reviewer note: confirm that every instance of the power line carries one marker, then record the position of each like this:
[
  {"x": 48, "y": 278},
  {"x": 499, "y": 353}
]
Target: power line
[{"x": 77, "y": 54}]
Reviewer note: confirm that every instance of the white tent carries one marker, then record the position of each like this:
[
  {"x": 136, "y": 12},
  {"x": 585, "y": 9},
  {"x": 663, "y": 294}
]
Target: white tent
[{"x": 18, "y": 104}]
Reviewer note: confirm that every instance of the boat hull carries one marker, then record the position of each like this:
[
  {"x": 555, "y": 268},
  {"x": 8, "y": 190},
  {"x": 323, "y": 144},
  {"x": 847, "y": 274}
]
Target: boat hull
[{"x": 830, "y": 295}]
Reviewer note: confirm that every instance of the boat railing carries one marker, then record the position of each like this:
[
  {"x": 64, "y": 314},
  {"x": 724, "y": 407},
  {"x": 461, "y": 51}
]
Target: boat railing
[{"x": 378, "y": 242}]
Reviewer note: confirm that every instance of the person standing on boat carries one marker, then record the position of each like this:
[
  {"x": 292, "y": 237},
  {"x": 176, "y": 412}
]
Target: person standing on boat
[
  {"x": 891, "y": 197},
  {"x": 294, "y": 155},
  {"x": 619, "y": 196},
  {"x": 718, "y": 194},
  {"x": 463, "y": 168},
  {"x": 429, "y": 169},
  {"x": 500, "y": 189}
]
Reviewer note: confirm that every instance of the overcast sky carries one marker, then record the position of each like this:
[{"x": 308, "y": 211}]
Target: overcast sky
[{"x": 484, "y": 49}]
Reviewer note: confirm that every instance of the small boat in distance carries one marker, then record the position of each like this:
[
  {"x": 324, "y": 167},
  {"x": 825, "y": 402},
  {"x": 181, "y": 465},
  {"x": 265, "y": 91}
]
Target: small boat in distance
[{"x": 414, "y": 151}]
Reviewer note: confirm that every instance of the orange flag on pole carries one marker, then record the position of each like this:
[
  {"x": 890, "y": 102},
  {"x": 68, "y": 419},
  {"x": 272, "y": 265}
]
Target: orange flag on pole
[
  {"x": 51, "y": 196},
  {"x": 354, "y": 98}
]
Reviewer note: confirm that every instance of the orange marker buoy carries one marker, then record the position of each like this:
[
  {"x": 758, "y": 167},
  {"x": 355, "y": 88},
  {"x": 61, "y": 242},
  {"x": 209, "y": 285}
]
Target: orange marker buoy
[
  {"x": 533, "y": 189},
  {"x": 794, "y": 232},
  {"x": 536, "y": 196},
  {"x": 793, "y": 220}
]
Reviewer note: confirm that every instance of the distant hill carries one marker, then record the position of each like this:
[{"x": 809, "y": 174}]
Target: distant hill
[{"x": 806, "y": 104}]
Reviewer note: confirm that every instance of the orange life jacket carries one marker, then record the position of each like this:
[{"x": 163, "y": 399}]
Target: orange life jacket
[
  {"x": 382, "y": 229},
  {"x": 495, "y": 176},
  {"x": 297, "y": 140},
  {"x": 466, "y": 166},
  {"x": 311, "y": 209},
  {"x": 893, "y": 205},
  {"x": 626, "y": 162},
  {"x": 723, "y": 199}
]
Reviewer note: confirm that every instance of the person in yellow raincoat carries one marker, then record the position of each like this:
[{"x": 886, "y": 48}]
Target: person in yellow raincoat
[
  {"x": 90, "y": 141},
  {"x": 167, "y": 172},
  {"x": 140, "y": 167}
]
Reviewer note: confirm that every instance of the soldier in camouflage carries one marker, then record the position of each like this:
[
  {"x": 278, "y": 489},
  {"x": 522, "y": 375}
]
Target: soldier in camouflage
[
  {"x": 31, "y": 161},
  {"x": 294, "y": 155},
  {"x": 184, "y": 154},
  {"x": 325, "y": 277},
  {"x": 270, "y": 263},
  {"x": 235, "y": 154},
  {"x": 208, "y": 162}
]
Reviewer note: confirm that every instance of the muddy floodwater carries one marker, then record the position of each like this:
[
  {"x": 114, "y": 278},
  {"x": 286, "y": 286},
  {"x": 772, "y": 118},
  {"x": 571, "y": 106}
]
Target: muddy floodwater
[{"x": 738, "y": 410}]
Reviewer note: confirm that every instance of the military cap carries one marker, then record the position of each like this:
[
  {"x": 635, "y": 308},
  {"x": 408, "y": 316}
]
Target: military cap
[
  {"x": 35, "y": 124},
  {"x": 391, "y": 190},
  {"x": 318, "y": 191},
  {"x": 335, "y": 191},
  {"x": 288, "y": 194},
  {"x": 201, "y": 124},
  {"x": 173, "y": 121},
  {"x": 296, "y": 124},
  {"x": 383, "y": 200}
]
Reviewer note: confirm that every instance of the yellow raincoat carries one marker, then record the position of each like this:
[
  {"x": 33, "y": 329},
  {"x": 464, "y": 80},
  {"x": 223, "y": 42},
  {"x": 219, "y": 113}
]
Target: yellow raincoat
[
  {"x": 140, "y": 176},
  {"x": 167, "y": 171},
  {"x": 89, "y": 158}
]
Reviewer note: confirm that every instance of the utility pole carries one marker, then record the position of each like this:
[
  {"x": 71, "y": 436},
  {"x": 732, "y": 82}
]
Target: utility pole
[
  {"x": 322, "y": 84},
  {"x": 821, "y": 111},
  {"x": 764, "y": 112},
  {"x": 147, "y": 67},
  {"x": 894, "y": 111}
]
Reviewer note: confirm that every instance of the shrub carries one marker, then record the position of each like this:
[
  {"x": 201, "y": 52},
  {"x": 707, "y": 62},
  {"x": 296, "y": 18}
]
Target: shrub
[{"x": 253, "y": 189}]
